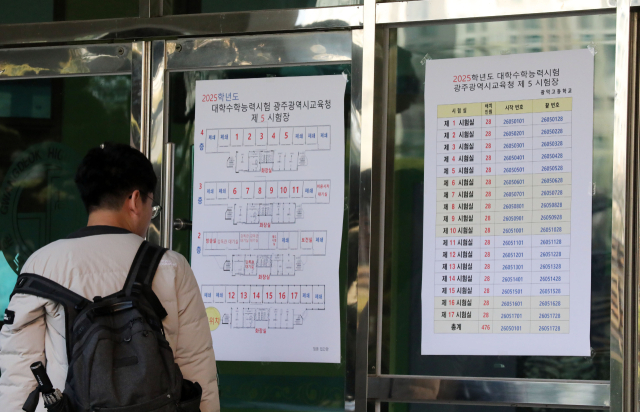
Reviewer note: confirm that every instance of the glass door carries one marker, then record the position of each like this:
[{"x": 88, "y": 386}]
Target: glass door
[
  {"x": 177, "y": 65},
  {"x": 409, "y": 377},
  {"x": 56, "y": 103}
]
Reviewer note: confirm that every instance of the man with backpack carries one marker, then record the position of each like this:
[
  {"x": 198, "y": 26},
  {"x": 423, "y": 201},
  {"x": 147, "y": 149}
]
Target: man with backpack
[{"x": 118, "y": 322}]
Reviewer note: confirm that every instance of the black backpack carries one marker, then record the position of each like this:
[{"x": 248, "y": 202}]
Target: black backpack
[{"x": 119, "y": 359}]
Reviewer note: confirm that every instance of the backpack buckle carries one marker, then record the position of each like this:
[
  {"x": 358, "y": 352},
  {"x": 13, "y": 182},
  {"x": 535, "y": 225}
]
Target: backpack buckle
[
  {"x": 80, "y": 306},
  {"x": 116, "y": 307}
]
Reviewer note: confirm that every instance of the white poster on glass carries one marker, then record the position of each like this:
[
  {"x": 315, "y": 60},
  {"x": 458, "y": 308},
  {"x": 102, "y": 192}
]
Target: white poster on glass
[
  {"x": 507, "y": 205},
  {"x": 268, "y": 205}
]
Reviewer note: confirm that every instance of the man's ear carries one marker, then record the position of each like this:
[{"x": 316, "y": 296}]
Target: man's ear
[{"x": 134, "y": 202}]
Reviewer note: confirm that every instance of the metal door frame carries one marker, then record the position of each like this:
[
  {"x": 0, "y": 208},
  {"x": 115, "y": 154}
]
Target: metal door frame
[
  {"x": 621, "y": 392},
  {"x": 82, "y": 60},
  {"x": 150, "y": 58},
  {"x": 243, "y": 52}
]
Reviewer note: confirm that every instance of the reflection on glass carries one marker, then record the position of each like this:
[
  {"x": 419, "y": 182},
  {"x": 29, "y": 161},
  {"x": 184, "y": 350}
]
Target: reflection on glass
[
  {"x": 250, "y": 386},
  {"x": 46, "y": 126},
  {"x": 41, "y": 11},
  {"x": 401, "y": 343},
  {"x": 217, "y": 6}
]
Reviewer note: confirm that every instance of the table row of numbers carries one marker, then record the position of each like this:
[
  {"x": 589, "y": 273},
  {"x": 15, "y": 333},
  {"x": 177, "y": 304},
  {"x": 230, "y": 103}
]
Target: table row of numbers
[
  {"x": 483, "y": 242},
  {"x": 539, "y": 179},
  {"x": 504, "y": 192},
  {"x": 502, "y": 253},
  {"x": 484, "y": 277},
  {"x": 470, "y": 120},
  {"x": 503, "y": 302},
  {"x": 514, "y": 131},
  {"x": 504, "y": 168},
  {"x": 514, "y": 266},
  {"x": 501, "y": 314},
  {"x": 524, "y": 290},
  {"x": 510, "y": 205},
  {"x": 503, "y": 156},
  {"x": 446, "y": 218},
  {"x": 503, "y": 229},
  {"x": 470, "y": 326},
  {"x": 510, "y": 144}
]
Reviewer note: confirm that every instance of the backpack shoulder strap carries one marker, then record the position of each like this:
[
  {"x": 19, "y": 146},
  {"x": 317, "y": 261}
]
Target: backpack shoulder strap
[
  {"x": 32, "y": 284},
  {"x": 144, "y": 266},
  {"x": 141, "y": 274},
  {"x": 36, "y": 285}
]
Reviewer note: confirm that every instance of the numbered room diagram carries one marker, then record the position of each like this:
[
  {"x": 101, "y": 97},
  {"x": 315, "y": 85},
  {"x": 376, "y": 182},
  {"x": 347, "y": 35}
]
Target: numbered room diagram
[
  {"x": 264, "y": 254},
  {"x": 309, "y": 137},
  {"x": 267, "y": 217},
  {"x": 265, "y": 202},
  {"x": 274, "y": 156},
  {"x": 261, "y": 307}
]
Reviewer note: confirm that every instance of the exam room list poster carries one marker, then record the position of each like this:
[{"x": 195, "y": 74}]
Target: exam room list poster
[{"x": 507, "y": 206}]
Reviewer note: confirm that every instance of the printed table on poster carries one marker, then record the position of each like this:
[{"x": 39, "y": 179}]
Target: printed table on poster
[{"x": 507, "y": 207}]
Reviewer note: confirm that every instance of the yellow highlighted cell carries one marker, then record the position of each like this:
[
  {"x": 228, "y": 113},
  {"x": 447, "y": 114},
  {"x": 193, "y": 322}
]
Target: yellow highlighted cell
[
  {"x": 561, "y": 104},
  {"x": 514, "y": 107},
  {"x": 456, "y": 326},
  {"x": 462, "y": 109}
]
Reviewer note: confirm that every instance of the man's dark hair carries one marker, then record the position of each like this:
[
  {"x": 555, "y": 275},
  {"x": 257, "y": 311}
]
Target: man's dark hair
[{"x": 110, "y": 173}]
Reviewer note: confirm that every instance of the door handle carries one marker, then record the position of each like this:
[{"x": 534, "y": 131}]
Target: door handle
[
  {"x": 181, "y": 224},
  {"x": 167, "y": 190}
]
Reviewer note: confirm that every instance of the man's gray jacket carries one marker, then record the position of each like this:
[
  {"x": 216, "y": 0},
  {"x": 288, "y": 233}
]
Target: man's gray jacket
[{"x": 93, "y": 262}]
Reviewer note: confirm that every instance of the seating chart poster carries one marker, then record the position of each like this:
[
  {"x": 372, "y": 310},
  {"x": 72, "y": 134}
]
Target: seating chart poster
[{"x": 268, "y": 205}]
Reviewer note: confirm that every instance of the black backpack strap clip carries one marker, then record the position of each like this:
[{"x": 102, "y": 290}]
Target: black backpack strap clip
[
  {"x": 141, "y": 274},
  {"x": 36, "y": 285}
]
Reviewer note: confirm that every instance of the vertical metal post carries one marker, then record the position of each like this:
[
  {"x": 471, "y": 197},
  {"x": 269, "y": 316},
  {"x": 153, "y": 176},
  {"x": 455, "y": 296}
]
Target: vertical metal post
[
  {"x": 364, "y": 234},
  {"x": 167, "y": 199},
  {"x": 354, "y": 221},
  {"x": 633, "y": 157},
  {"x": 388, "y": 103},
  {"x": 382, "y": 155},
  {"x": 157, "y": 126},
  {"x": 138, "y": 90},
  {"x": 140, "y": 76},
  {"x": 631, "y": 283},
  {"x": 622, "y": 216},
  {"x": 144, "y": 9},
  {"x": 149, "y": 8}
]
